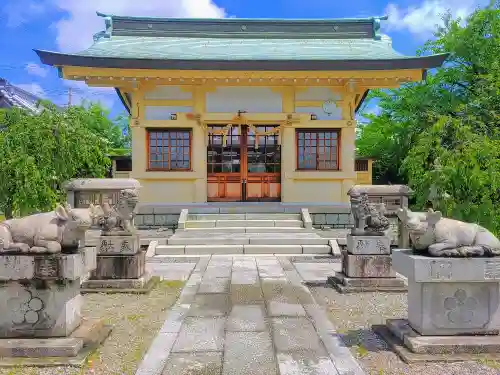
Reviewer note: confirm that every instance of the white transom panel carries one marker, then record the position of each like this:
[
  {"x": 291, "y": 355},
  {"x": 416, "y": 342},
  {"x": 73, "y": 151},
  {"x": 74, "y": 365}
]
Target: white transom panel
[
  {"x": 320, "y": 114},
  {"x": 163, "y": 112},
  {"x": 317, "y": 93},
  {"x": 250, "y": 99},
  {"x": 168, "y": 93}
]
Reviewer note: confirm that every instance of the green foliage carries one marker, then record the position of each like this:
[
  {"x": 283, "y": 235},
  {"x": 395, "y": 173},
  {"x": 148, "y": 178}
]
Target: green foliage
[
  {"x": 41, "y": 152},
  {"x": 443, "y": 135}
]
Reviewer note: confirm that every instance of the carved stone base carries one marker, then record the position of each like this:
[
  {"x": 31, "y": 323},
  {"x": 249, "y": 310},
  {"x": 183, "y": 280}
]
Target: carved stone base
[
  {"x": 367, "y": 265},
  {"x": 144, "y": 284},
  {"x": 344, "y": 284},
  {"x": 55, "y": 351},
  {"x": 368, "y": 245},
  {"x": 119, "y": 266},
  {"x": 413, "y": 347},
  {"x": 39, "y": 308},
  {"x": 116, "y": 245},
  {"x": 451, "y": 296}
]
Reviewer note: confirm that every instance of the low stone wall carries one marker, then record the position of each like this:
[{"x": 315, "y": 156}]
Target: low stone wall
[{"x": 166, "y": 216}]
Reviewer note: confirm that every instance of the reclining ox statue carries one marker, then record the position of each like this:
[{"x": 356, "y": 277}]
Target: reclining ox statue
[
  {"x": 443, "y": 237},
  {"x": 48, "y": 232}
]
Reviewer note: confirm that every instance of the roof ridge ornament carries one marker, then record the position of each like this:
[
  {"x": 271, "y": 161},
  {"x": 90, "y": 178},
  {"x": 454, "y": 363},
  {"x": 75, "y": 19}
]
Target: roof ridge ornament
[
  {"x": 376, "y": 26},
  {"x": 108, "y": 21}
]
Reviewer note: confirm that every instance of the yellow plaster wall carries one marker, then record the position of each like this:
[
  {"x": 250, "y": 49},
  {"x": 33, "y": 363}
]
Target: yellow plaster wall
[{"x": 191, "y": 186}]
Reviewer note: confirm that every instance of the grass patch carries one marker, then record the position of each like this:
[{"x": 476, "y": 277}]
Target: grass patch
[
  {"x": 166, "y": 284},
  {"x": 490, "y": 363},
  {"x": 134, "y": 317},
  {"x": 361, "y": 351}
]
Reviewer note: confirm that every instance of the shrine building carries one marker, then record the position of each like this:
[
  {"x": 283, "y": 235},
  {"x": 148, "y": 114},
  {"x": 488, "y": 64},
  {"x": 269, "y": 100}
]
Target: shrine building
[{"x": 243, "y": 109}]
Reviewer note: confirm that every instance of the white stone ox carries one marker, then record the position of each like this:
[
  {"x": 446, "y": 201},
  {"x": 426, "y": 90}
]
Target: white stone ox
[
  {"x": 448, "y": 237},
  {"x": 46, "y": 232}
]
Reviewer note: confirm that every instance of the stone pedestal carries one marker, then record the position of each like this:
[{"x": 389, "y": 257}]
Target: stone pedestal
[
  {"x": 41, "y": 305},
  {"x": 121, "y": 266},
  {"x": 453, "y": 307},
  {"x": 367, "y": 266}
]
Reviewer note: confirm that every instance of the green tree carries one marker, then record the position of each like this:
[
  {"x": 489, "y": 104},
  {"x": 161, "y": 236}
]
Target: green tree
[
  {"x": 443, "y": 135},
  {"x": 97, "y": 120},
  {"x": 39, "y": 153}
]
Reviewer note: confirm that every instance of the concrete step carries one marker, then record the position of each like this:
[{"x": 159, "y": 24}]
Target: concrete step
[
  {"x": 242, "y": 223},
  {"x": 210, "y": 238},
  {"x": 243, "y": 216},
  {"x": 163, "y": 250},
  {"x": 249, "y": 230}
]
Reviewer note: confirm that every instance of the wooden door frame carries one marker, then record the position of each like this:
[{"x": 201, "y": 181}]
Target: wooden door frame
[{"x": 222, "y": 178}]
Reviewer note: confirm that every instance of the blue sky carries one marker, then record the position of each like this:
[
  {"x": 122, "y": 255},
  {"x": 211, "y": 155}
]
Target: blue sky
[{"x": 68, "y": 26}]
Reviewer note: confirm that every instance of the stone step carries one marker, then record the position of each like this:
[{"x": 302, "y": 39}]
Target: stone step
[
  {"x": 249, "y": 230},
  {"x": 194, "y": 238},
  {"x": 242, "y": 223},
  {"x": 244, "y": 216},
  {"x": 311, "y": 250}
]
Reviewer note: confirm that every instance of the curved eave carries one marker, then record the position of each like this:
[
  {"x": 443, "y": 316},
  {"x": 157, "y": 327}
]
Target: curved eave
[{"x": 59, "y": 59}]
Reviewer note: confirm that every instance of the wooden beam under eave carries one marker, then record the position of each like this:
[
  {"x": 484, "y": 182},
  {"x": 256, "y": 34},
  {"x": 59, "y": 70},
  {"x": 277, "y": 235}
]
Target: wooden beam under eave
[{"x": 410, "y": 74}]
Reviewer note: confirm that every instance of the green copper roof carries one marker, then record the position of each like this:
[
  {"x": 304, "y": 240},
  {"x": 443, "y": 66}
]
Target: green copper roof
[
  {"x": 241, "y": 44},
  {"x": 199, "y": 48}
]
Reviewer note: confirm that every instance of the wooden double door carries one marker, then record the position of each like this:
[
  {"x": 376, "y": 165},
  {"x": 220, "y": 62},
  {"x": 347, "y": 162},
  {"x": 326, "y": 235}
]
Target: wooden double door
[{"x": 247, "y": 167}]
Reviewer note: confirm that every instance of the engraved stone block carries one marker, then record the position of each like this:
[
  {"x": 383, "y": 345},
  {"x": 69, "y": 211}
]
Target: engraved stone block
[
  {"x": 47, "y": 266},
  {"x": 39, "y": 308},
  {"x": 120, "y": 266},
  {"x": 89, "y": 255},
  {"x": 44, "y": 267},
  {"x": 368, "y": 244},
  {"x": 16, "y": 267},
  {"x": 448, "y": 308},
  {"x": 119, "y": 244},
  {"x": 451, "y": 296},
  {"x": 367, "y": 265}
]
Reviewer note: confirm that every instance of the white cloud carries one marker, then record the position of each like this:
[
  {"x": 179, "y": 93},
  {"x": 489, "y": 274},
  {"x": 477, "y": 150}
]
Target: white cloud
[
  {"x": 423, "y": 19},
  {"x": 36, "y": 70},
  {"x": 18, "y": 12},
  {"x": 33, "y": 88},
  {"x": 75, "y": 30}
]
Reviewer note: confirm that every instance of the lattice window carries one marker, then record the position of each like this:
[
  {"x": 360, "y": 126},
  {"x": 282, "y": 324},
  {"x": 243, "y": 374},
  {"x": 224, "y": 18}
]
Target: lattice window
[
  {"x": 361, "y": 165},
  {"x": 169, "y": 149},
  {"x": 266, "y": 158},
  {"x": 318, "y": 149},
  {"x": 223, "y": 158}
]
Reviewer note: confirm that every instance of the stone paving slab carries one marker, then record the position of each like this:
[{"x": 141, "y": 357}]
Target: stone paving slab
[
  {"x": 244, "y": 277},
  {"x": 305, "y": 363},
  {"x": 292, "y": 334},
  {"x": 201, "y": 335},
  {"x": 210, "y": 305},
  {"x": 246, "y": 294},
  {"x": 245, "y": 315},
  {"x": 216, "y": 285},
  {"x": 249, "y": 353},
  {"x": 317, "y": 272},
  {"x": 247, "y": 318},
  {"x": 207, "y": 363},
  {"x": 276, "y": 308}
]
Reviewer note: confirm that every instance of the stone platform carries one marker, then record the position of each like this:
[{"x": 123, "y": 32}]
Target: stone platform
[
  {"x": 413, "y": 347},
  {"x": 141, "y": 285},
  {"x": 345, "y": 284},
  {"x": 120, "y": 266},
  {"x": 72, "y": 350},
  {"x": 367, "y": 267}
]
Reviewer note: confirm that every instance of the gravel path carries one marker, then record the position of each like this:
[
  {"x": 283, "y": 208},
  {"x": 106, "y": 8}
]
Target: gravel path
[
  {"x": 354, "y": 314},
  {"x": 135, "y": 320}
]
